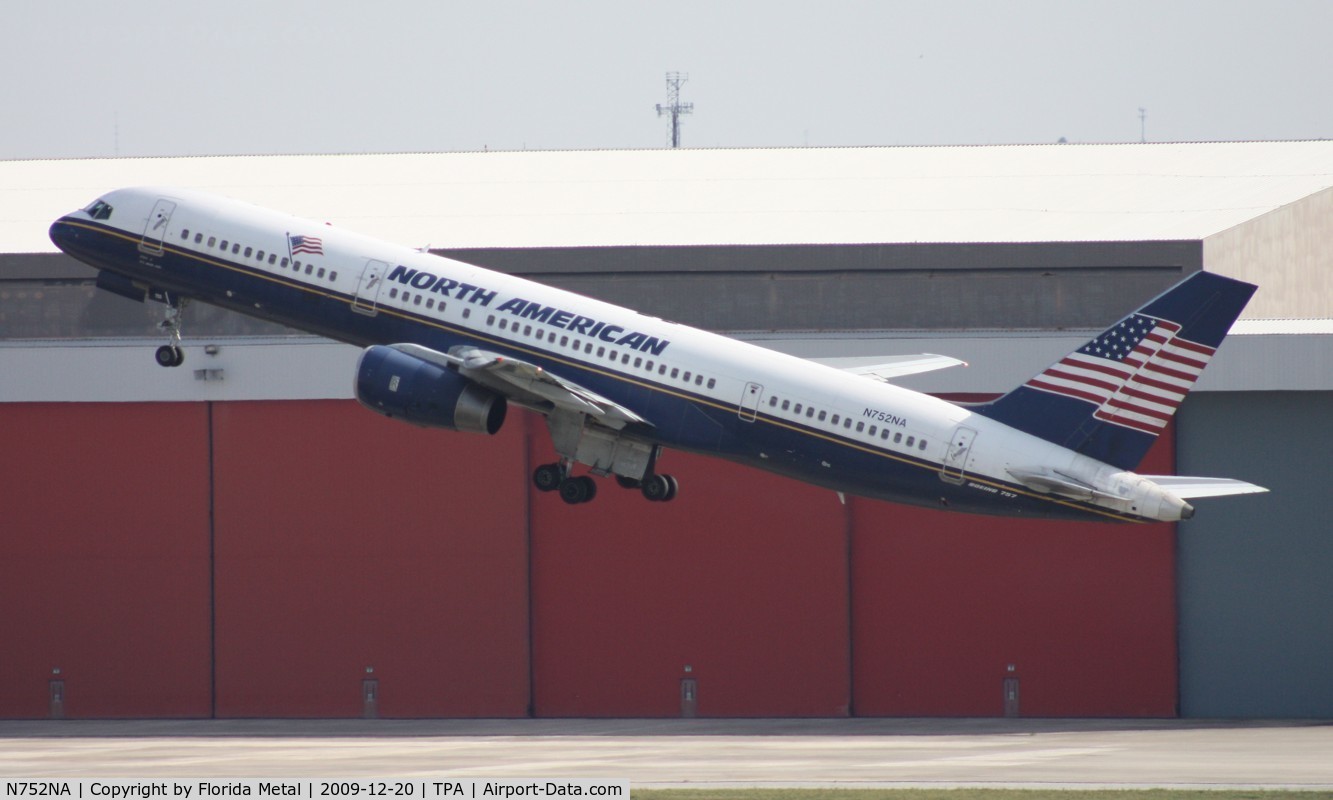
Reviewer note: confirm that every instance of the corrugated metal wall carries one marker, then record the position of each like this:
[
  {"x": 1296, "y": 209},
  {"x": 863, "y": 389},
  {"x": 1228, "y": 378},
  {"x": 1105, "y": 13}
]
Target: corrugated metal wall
[
  {"x": 352, "y": 565},
  {"x": 1256, "y": 573}
]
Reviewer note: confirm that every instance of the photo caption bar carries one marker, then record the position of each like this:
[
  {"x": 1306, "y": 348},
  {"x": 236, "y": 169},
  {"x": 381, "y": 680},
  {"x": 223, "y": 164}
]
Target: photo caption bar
[{"x": 208, "y": 788}]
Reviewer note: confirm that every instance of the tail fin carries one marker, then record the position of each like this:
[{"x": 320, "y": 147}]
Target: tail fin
[{"x": 1111, "y": 397}]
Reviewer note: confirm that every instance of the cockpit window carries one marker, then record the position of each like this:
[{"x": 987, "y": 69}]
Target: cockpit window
[{"x": 99, "y": 210}]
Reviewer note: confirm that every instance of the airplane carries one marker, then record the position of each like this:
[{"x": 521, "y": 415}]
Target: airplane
[{"x": 451, "y": 345}]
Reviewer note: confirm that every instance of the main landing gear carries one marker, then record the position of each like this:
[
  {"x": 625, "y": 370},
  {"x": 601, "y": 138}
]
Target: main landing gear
[
  {"x": 582, "y": 489},
  {"x": 171, "y": 354}
]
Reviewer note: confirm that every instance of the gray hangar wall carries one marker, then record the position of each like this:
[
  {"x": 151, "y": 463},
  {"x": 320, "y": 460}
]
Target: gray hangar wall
[{"x": 1253, "y": 574}]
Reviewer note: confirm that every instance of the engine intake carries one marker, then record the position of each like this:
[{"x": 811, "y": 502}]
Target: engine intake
[{"x": 402, "y": 386}]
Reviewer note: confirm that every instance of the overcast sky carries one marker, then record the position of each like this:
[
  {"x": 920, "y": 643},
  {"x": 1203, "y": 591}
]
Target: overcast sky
[{"x": 142, "y": 77}]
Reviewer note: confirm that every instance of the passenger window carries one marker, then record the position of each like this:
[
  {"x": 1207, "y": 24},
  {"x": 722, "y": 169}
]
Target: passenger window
[
  {"x": 711, "y": 382},
  {"x": 786, "y": 404},
  {"x": 822, "y": 414},
  {"x": 873, "y": 430},
  {"x": 272, "y": 259},
  {"x": 236, "y": 249},
  {"x": 467, "y": 312},
  {"x": 249, "y": 251},
  {"x": 212, "y": 240},
  {"x": 198, "y": 237},
  {"x": 797, "y": 410},
  {"x": 884, "y": 434},
  {"x": 320, "y": 274},
  {"x": 333, "y": 276},
  {"x": 430, "y": 303},
  {"x": 296, "y": 265},
  {"x": 810, "y": 412},
  {"x": 910, "y": 440},
  {"x": 283, "y": 262},
  {"x": 259, "y": 255},
  {"x": 587, "y": 348},
  {"x": 309, "y": 268},
  {"x": 625, "y": 359},
  {"x": 897, "y": 438},
  {"x": 675, "y": 371},
  {"x": 504, "y": 325},
  {"x": 601, "y": 351},
  {"x": 772, "y": 400},
  {"x": 393, "y": 292},
  {"x": 698, "y": 380},
  {"x": 922, "y": 445},
  {"x": 836, "y": 417},
  {"x": 224, "y": 244},
  {"x": 416, "y": 300},
  {"x": 860, "y": 426},
  {"x": 490, "y": 319},
  {"x": 847, "y": 423},
  {"x": 185, "y": 233},
  {"x": 527, "y": 330},
  {"x": 564, "y": 340},
  {"x": 638, "y": 362},
  {"x": 661, "y": 369},
  {"x": 685, "y": 377}
]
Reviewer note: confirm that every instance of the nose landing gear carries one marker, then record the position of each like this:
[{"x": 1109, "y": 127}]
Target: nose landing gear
[{"x": 171, "y": 354}]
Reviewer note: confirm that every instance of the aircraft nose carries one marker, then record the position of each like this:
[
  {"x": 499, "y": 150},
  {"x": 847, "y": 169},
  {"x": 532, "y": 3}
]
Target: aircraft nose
[
  {"x": 58, "y": 232},
  {"x": 64, "y": 235}
]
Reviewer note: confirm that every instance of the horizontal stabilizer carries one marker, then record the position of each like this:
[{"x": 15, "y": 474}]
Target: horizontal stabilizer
[
  {"x": 1186, "y": 487},
  {"x": 890, "y": 367}
]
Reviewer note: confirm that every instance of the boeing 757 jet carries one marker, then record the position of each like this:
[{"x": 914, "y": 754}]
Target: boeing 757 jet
[{"x": 451, "y": 345}]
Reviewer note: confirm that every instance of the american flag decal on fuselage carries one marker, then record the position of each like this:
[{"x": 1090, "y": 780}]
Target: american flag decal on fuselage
[
  {"x": 307, "y": 244},
  {"x": 1136, "y": 373}
]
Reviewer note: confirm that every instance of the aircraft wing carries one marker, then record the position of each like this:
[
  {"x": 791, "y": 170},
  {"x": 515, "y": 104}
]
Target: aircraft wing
[
  {"x": 1186, "y": 487},
  {"x": 891, "y": 367},
  {"x": 526, "y": 384}
]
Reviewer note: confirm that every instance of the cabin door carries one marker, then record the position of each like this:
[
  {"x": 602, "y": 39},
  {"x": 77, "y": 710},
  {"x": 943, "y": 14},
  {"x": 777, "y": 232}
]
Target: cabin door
[
  {"x": 155, "y": 231},
  {"x": 368, "y": 288},
  {"x": 955, "y": 455},
  {"x": 749, "y": 407}
]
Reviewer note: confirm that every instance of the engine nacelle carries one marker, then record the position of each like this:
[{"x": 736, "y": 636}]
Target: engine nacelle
[{"x": 401, "y": 386}]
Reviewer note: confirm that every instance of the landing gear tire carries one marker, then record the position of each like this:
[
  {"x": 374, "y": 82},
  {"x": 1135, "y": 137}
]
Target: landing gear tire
[
  {"x": 659, "y": 488},
  {"x": 578, "y": 490},
  {"x": 547, "y": 477},
  {"x": 170, "y": 356}
]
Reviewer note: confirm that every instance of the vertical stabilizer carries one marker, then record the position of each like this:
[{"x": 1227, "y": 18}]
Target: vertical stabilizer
[{"x": 1110, "y": 398}]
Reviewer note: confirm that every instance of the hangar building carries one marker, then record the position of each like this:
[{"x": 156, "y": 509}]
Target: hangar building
[{"x": 237, "y": 538}]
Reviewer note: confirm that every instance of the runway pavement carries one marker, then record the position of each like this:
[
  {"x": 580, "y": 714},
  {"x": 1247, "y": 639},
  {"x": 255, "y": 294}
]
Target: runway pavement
[{"x": 682, "y": 753}]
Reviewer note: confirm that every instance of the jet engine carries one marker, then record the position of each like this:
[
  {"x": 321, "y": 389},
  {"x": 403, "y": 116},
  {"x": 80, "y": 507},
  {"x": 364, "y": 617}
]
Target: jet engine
[{"x": 402, "y": 386}]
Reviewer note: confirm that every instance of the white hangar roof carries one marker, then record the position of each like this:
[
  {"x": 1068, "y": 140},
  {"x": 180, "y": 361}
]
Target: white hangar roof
[{"x": 1022, "y": 193}]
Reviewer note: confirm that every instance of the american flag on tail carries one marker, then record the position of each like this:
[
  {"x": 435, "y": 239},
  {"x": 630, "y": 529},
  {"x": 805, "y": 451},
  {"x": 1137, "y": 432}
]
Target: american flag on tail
[{"x": 1136, "y": 373}]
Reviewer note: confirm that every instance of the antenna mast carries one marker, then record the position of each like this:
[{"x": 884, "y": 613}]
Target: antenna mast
[{"x": 674, "y": 107}]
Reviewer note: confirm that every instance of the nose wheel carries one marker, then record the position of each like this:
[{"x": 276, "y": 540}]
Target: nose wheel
[{"x": 171, "y": 354}]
